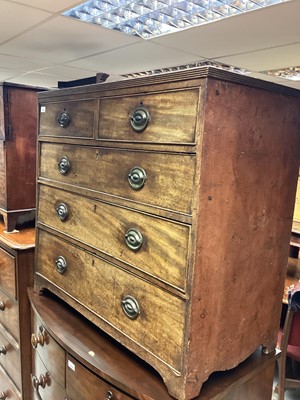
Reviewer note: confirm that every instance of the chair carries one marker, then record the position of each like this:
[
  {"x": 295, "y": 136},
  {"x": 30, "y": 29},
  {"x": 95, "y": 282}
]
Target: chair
[{"x": 289, "y": 339}]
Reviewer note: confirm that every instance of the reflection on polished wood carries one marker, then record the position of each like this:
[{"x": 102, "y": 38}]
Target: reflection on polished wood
[{"x": 292, "y": 276}]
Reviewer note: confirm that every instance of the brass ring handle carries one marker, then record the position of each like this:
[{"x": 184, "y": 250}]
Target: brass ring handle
[
  {"x": 109, "y": 395},
  {"x": 130, "y": 306},
  {"x": 62, "y": 211},
  {"x": 2, "y": 306},
  {"x": 64, "y": 165},
  {"x": 137, "y": 177},
  {"x": 2, "y": 395},
  {"x": 61, "y": 264},
  {"x": 134, "y": 239},
  {"x": 3, "y": 350},
  {"x": 139, "y": 119},
  {"x": 40, "y": 339},
  {"x": 64, "y": 119}
]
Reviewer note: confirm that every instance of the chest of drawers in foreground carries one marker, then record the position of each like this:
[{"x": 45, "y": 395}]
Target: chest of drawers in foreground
[
  {"x": 16, "y": 275},
  {"x": 164, "y": 206}
]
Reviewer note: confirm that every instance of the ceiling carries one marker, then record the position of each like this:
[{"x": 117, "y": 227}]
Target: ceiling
[{"x": 39, "y": 46}]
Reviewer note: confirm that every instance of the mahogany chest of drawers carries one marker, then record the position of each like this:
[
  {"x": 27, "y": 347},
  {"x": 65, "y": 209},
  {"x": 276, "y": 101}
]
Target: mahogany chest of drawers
[
  {"x": 16, "y": 274},
  {"x": 164, "y": 207},
  {"x": 18, "y": 126},
  {"x": 73, "y": 360}
]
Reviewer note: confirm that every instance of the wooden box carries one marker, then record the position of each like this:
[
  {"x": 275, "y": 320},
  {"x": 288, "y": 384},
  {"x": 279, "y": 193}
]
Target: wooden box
[
  {"x": 18, "y": 127},
  {"x": 165, "y": 207}
]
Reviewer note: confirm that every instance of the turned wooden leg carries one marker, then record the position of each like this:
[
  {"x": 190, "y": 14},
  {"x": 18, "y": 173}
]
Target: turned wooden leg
[{"x": 10, "y": 221}]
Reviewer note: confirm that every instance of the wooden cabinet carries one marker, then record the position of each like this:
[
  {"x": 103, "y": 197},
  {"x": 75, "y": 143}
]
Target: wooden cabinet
[
  {"x": 77, "y": 361},
  {"x": 18, "y": 126},
  {"x": 164, "y": 206},
  {"x": 16, "y": 274}
]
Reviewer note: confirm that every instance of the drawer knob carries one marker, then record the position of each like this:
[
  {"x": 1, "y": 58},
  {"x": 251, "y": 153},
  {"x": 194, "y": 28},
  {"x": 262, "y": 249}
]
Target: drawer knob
[
  {"x": 2, "y": 306},
  {"x": 134, "y": 239},
  {"x": 130, "y": 306},
  {"x": 3, "y": 350},
  {"x": 2, "y": 396},
  {"x": 64, "y": 119},
  {"x": 40, "y": 338},
  {"x": 42, "y": 381},
  {"x": 61, "y": 264},
  {"x": 109, "y": 395},
  {"x": 62, "y": 211},
  {"x": 139, "y": 119},
  {"x": 64, "y": 165},
  {"x": 137, "y": 178}
]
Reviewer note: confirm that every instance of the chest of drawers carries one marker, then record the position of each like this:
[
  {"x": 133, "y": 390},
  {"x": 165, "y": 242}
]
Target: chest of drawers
[
  {"x": 18, "y": 126},
  {"x": 164, "y": 206},
  {"x": 73, "y": 360},
  {"x": 16, "y": 274}
]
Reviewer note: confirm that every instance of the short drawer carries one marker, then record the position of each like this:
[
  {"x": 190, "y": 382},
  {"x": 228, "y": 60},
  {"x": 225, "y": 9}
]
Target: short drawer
[
  {"x": 9, "y": 315},
  {"x": 68, "y": 119},
  {"x": 7, "y": 389},
  {"x": 10, "y": 359},
  {"x": 135, "y": 308},
  {"x": 44, "y": 385},
  {"x": 82, "y": 384},
  {"x": 50, "y": 352},
  {"x": 168, "y": 117},
  {"x": 157, "y": 246},
  {"x": 8, "y": 273},
  {"x": 163, "y": 180}
]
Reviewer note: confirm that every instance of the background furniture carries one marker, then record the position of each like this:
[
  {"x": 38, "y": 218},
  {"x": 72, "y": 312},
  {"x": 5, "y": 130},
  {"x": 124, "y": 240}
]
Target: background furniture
[
  {"x": 165, "y": 205},
  {"x": 18, "y": 125},
  {"x": 84, "y": 363},
  {"x": 16, "y": 274}
]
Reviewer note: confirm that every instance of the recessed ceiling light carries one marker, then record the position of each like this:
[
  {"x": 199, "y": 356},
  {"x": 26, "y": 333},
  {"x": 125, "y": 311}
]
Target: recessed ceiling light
[
  {"x": 291, "y": 73},
  {"x": 151, "y": 18}
]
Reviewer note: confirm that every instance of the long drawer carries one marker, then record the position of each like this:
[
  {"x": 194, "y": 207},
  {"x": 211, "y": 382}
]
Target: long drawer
[
  {"x": 9, "y": 317},
  {"x": 82, "y": 384},
  {"x": 156, "y": 246},
  {"x": 7, "y": 388},
  {"x": 168, "y": 117},
  {"x": 158, "y": 179},
  {"x": 143, "y": 312},
  {"x": 10, "y": 359},
  {"x": 8, "y": 273}
]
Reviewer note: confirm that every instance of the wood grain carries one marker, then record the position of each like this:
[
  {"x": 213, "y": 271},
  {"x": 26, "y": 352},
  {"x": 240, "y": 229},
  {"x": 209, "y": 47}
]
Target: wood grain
[
  {"x": 169, "y": 182},
  {"x": 159, "y": 327},
  {"x": 10, "y": 360},
  {"x": 8, "y": 272},
  {"x": 9, "y": 317},
  {"x": 172, "y": 117},
  {"x": 82, "y": 115},
  {"x": 164, "y": 252}
]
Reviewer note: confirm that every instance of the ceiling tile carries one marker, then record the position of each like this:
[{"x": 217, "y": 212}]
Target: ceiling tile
[
  {"x": 51, "y": 5},
  {"x": 269, "y": 27},
  {"x": 278, "y": 57},
  {"x": 35, "y": 79},
  {"x": 23, "y": 64},
  {"x": 62, "y": 39},
  {"x": 66, "y": 73},
  {"x": 6, "y": 74},
  {"x": 136, "y": 58},
  {"x": 16, "y": 18}
]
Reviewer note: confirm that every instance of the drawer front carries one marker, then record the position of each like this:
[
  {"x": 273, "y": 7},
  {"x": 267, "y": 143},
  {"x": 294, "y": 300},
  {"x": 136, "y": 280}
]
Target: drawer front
[
  {"x": 68, "y": 119},
  {"x": 3, "y": 189},
  {"x": 50, "y": 352},
  {"x": 6, "y": 388},
  {"x": 159, "y": 325},
  {"x": 42, "y": 377},
  {"x": 171, "y": 115},
  {"x": 158, "y": 179},
  {"x": 9, "y": 315},
  {"x": 163, "y": 244},
  {"x": 8, "y": 273},
  {"x": 83, "y": 384},
  {"x": 10, "y": 360}
]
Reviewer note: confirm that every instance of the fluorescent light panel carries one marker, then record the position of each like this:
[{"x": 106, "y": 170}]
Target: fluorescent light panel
[
  {"x": 151, "y": 18},
  {"x": 291, "y": 73}
]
